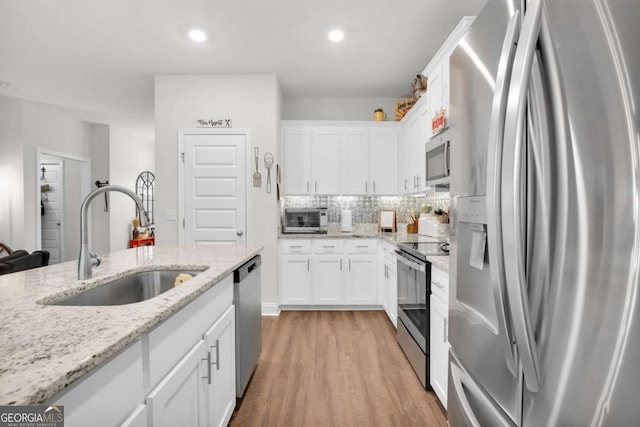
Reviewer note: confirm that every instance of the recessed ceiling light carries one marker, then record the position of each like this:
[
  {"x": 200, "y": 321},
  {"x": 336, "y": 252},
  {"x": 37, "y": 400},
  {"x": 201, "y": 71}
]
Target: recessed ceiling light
[
  {"x": 336, "y": 35},
  {"x": 197, "y": 35},
  {"x": 5, "y": 84}
]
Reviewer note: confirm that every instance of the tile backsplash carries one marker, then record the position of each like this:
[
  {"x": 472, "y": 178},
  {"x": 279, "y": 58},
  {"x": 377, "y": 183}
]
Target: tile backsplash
[{"x": 366, "y": 208}]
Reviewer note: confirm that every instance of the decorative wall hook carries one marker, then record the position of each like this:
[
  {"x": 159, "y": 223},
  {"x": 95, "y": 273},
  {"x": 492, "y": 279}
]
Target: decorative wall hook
[{"x": 106, "y": 199}]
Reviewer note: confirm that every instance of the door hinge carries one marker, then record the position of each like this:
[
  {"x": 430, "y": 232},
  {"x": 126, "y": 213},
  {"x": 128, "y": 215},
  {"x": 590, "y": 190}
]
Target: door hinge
[
  {"x": 182, "y": 155},
  {"x": 183, "y": 223}
]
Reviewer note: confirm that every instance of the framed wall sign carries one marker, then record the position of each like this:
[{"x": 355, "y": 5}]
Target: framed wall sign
[{"x": 387, "y": 220}]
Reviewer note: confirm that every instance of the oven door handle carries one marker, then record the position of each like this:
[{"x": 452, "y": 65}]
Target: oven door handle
[{"x": 406, "y": 261}]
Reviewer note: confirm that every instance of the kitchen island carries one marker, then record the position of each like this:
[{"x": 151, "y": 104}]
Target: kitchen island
[{"x": 45, "y": 348}]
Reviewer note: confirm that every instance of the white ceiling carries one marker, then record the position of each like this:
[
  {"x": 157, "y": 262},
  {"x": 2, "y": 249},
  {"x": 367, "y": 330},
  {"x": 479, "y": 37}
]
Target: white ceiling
[{"x": 99, "y": 56}]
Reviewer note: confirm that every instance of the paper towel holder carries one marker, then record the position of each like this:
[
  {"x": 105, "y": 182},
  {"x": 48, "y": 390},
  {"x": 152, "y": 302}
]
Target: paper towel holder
[{"x": 387, "y": 220}]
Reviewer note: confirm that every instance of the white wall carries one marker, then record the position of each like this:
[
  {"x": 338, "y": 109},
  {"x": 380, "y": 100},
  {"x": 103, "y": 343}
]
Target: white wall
[
  {"x": 51, "y": 128},
  {"x": 336, "y": 108},
  {"x": 72, "y": 201},
  {"x": 100, "y": 224},
  {"x": 11, "y": 175},
  {"x": 24, "y": 127},
  {"x": 251, "y": 101},
  {"x": 129, "y": 154}
]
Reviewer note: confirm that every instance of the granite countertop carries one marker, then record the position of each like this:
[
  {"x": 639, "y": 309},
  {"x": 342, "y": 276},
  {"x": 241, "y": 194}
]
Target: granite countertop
[
  {"x": 44, "y": 348},
  {"x": 370, "y": 231}
]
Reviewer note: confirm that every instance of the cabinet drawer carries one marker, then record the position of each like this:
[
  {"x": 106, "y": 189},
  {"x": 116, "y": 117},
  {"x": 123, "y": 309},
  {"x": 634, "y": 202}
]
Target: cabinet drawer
[
  {"x": 361, "y": 246},
  {"x": 107, "y": 395},
  {"x": 440, "y": 284},
  {"x": 172, "y": 339},
  {"x": 295, "y": 246},
  {"x": 328, "y": 246}
]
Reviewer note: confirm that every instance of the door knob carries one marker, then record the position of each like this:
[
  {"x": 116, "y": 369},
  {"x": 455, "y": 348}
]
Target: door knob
[{"x": 239, "y": 232}]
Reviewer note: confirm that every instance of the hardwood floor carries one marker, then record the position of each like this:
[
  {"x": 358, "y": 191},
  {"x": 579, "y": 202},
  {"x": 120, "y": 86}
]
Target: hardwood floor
[{"x": 334, "y": 368}]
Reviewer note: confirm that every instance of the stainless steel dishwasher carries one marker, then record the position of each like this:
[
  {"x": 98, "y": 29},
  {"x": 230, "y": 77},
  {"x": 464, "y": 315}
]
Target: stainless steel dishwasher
[{"x": 247, "y": 297}]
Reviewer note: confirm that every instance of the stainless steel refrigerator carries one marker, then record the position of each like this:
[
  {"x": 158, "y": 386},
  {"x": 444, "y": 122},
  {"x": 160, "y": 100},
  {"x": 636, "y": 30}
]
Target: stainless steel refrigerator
[{"x": 544, "y": 310}]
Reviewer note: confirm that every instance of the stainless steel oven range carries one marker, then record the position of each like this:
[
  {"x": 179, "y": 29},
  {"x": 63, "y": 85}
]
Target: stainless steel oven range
[{"x": 414, "y": 289}]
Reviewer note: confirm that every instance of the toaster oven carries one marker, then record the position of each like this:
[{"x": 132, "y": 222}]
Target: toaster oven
[{"x": 309, "y": 220}]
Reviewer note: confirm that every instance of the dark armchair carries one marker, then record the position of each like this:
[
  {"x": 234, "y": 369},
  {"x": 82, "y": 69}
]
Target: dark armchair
[{"x": 21, "y": 260}]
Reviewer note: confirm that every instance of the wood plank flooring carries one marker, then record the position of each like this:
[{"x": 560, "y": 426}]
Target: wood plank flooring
[{"x": 334, "y": 368}]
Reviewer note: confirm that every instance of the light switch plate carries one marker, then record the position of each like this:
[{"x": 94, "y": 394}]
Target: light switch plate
[{"x": 171, "y": 215}]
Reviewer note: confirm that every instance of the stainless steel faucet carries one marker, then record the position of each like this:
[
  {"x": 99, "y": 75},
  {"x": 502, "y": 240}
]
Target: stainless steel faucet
[{"x": 88, "y": 258}]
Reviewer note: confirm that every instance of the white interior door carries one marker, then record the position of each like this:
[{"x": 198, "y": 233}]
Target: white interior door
[
  {"x": 214, "y": 187},
  {"x": 53, "y": 202}
]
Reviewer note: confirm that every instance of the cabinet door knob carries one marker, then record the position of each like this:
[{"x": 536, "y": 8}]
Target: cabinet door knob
[{"x": 239, "y": 232}]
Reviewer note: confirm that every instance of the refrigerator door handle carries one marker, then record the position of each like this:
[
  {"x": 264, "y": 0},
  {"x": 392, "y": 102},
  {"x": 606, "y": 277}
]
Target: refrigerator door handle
[
  {"x": 494, "y": 165},
  {"x": 460, "y": 380},
  {"x": 512, "y": 197}
]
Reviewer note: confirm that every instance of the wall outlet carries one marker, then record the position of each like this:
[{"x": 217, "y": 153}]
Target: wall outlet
[{"x": 171, "y": 215}]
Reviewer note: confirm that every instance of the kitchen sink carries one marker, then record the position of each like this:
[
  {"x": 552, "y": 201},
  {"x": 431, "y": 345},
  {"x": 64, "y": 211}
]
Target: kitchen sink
[{"x": 130, "y": 289}]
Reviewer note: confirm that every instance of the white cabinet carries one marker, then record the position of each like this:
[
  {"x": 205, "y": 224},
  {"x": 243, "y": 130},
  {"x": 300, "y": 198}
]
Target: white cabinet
[
  {"x": 354, "y": 160},
  {"x": 361, "y": 280},
  {"x": 109, "y": 394},
  {"x": 336, "y": 272},
  {"x": 138, "y": 418},
  {"x": 328, "y": 280},
  {"x": 405, "y": 153},
  {"x": 295, "y": 278},
  {"x": 187, "y": 362},
  {"x": 221, "y": 363},
  {"x": 325, "y": 149},
  {"x": 412, "y": 151},
  {"x": 422, "y": 136},
  {"x": 296, "y": 142},
  {"x": 180, "y": 398},
  {"x": 439, "y": 333},
  {"x": 390, "y": 282},
  {"x": 325, "y": 159},
  {"x": 200, "y": 389},
  {"x": 439, "y": 90},
  {"x": 383, "y": 161}
]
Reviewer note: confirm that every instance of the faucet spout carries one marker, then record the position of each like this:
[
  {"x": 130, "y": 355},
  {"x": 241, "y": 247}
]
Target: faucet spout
[{"x": 84, "y": 260}]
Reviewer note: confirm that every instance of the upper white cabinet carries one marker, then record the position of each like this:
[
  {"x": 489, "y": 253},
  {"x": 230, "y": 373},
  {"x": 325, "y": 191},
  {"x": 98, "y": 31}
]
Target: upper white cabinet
[
  {"x": 437, "y": 71},
  {"x": 296, "y": 144},
  {"x": 337, "y": 159},
  {"x": 354, "y": 160},
  {"x": 404, "y": 162},
  {"x": 383, "y": 161},
  {"x": 325, "y": 146}
]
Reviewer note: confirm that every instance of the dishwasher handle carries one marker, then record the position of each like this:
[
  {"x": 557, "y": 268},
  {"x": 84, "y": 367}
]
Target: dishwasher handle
[{"x": 247, "y": 268}]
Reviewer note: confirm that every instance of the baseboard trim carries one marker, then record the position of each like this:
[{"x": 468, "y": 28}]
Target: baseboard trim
[
  {"x": 331, "y": 307},
  {"x": 270, "y": 309}
]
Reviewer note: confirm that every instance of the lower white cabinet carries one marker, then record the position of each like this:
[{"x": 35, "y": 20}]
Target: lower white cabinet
[
  {"x": 108, "y": 395},
  {"x": 221, "y": 378},
  {"x": 361, "y": 280},
  {"x": 138, "y": 418},
  {"x": 185, "y": 367},
  {"x": 201, "y": 389},
  {"x": 295, "y": 279},
  {"x": 328, "y": 280},
  {"x": 391, "y": 290},
  {"x": 180, "y": 398},
  {"x": 439, "y": 337},
  {"x": 335, "y": 272}
]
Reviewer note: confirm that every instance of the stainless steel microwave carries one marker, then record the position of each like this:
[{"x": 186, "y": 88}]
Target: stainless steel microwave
[
  {"x": 310, "y": 220},
  {"x": 438, "y": 161}
]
